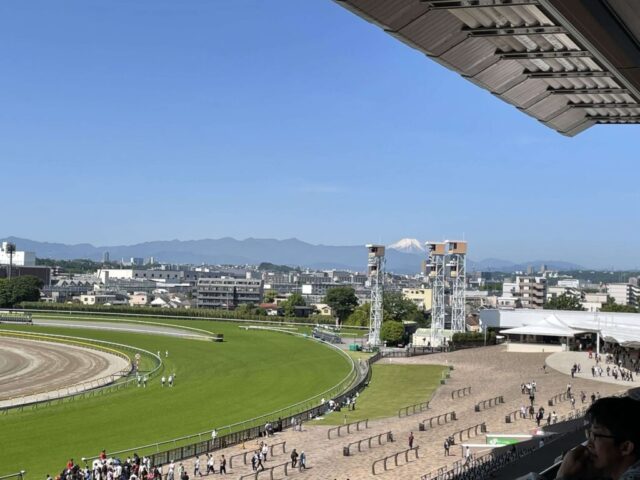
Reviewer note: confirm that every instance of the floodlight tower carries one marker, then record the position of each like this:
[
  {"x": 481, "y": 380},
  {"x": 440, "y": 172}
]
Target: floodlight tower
[
  {"x": 434, "y": 271},
  {"x": 457, "y": 253},
  {"x": 376, "y": 281}
]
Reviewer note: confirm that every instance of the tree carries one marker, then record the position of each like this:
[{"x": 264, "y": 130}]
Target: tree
[
  {"x": 398, "y": 308},
  {"x": 563, "y": 302},
  {"x": 342, "y": 300},
  {"x": 270, "y": 296},
  {"x": 612, "y": 306},
  {"x": 294, "y": 300},
  {"x": 19, "y": 289},
  {"x": 392, "y": 332},
  {"x": 360, "y": 316}
]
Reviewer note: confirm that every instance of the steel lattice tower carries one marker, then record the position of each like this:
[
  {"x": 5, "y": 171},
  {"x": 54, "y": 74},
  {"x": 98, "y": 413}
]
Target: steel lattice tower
[
  {"x": 457, "y": 253},
  {"x": 434, "y": 270},
  {"x": 376, "y": 280}
]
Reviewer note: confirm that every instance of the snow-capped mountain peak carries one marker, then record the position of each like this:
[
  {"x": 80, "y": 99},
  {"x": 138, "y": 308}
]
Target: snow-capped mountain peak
[{"x": 408, "y": 245}]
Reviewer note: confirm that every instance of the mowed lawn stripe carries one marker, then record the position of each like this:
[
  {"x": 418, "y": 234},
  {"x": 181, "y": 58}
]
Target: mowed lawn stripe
[
  {"x": 251, "y": 373},
  {"x": 391, "y": 388}
]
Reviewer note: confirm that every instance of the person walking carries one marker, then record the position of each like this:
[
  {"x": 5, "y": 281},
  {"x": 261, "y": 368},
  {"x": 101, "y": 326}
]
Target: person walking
[
  {"x": 411, "y": 440},
  {"x": 446, "y": 447},
  {"x": 196, "y": 468},
  {"x": 223, "y": 465},
  {"x": 303, "y": 461},
  {"x": 294, "y": 458}
]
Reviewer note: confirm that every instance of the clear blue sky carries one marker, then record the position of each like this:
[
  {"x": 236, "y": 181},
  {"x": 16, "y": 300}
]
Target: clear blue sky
[{"x": 127, "y": 121}]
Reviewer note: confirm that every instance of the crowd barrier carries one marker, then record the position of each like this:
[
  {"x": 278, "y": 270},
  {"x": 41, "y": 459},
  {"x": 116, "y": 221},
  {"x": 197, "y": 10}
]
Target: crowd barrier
[
  {"x": 388, "y": 436},
  {"x": 285, "y": 466},
  {"x": 561, "y": 397},
  {"x": 348, "y": 427},
  {"x": 481, "y": 426},
  {"x": 461, "y": 392},
  {"x": 417, "y": 408},
  {"x": 446, "y": 417},
  {"x": 490, "y": 402},
  {"x": 248, "y": 453},
  {"x": 395, "y": 459}
]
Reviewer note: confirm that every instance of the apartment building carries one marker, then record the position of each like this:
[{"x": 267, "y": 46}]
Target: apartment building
[
  {"x": 228, "y": 292},
  {"x": 624, "y": 293},
  {"x": 525, "y": 292}
]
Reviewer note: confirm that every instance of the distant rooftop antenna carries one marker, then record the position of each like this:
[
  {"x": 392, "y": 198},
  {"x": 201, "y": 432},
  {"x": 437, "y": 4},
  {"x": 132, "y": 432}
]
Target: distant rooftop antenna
[
  {"x": 376, "y": 280},
  {"x": 434, "y": 271},
  {"x": 457, "y": 253}
]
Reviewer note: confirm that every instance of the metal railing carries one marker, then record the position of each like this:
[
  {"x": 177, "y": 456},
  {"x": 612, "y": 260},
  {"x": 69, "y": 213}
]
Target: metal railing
[
  {"x": 348, "y": 427},
  {"x": 416, "y": 408},
  {"x": 461, "y": 392},
  {"x": 244, "y": 455},
  {"x": 488, "y": 403},
  {"x": 395, "y": 459},
  {"x": 388, "y": 436},
  {"x": 18, "y": 475},
  {"x": 476, "y": 429},
  {"x": 446, "y": 417}
]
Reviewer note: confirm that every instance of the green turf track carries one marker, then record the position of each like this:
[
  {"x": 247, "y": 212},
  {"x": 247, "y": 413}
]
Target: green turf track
[
  {"x": 391, "y": 388},
  {"x": 251, "y": 373}
]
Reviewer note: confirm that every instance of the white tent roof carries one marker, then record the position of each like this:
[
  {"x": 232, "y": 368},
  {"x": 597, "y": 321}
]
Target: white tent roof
[{"x": 550, "y": 326}]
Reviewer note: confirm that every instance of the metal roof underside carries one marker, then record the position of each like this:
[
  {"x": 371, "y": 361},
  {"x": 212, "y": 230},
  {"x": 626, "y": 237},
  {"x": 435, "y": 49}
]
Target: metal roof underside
[{"x": 528, "y": 52}]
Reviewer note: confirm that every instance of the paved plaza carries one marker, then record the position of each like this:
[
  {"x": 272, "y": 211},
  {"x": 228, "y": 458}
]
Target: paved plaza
[{"x": 489, "y": 371}]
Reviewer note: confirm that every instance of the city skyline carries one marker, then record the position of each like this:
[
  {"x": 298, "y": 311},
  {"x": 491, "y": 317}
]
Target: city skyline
[{"x": 124, "y": 123}]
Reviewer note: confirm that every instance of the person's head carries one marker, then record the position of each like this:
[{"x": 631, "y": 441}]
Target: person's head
[{"x": 612, "y": 427}]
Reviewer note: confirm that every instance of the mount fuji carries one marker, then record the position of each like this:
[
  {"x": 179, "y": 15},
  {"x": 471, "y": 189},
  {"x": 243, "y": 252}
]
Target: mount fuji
[{"x": 408, "y": 245}]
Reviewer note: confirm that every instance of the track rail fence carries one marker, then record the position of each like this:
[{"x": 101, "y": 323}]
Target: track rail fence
[{"x": 99, "y": 386}]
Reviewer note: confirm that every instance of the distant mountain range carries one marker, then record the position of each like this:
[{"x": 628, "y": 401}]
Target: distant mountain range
[{"x": 404, "y": 256}]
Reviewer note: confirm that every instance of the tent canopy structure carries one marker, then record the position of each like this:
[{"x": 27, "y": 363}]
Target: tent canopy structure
[
  {"x": 570, "y": 64},
  {"x": 550, "y": 326}
]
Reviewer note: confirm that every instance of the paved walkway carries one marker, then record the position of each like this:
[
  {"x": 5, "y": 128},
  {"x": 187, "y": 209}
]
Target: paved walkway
[
  {"x": 489, "y": 371},
  {"x": 564, "y": 361}
]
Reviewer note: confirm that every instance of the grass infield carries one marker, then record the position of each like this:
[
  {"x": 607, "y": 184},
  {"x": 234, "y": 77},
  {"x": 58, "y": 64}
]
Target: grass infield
[
  {"x": 391, "y": 388},
  {"x": 251, "y": 373}
]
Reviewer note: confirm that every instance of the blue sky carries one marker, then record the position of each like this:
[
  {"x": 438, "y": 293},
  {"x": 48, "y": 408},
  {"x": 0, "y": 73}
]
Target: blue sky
[{"x": 128, "y": 121}]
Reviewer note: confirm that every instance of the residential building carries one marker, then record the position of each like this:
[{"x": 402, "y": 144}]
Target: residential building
[
  {"x": 138, "y": 299},
  {"x": 420, "y": 296},
  {"x": 624, "y": 293},
  {"x": 525, "y": 292},
  {"x": 227, "y": 292}
]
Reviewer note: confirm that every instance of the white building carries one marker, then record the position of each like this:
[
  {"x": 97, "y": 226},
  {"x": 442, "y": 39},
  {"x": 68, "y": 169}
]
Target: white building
[
  {"x": 623, "y": 293},
  {"x": 19, "y": 258},
  {"x": 619, "y": 328}
]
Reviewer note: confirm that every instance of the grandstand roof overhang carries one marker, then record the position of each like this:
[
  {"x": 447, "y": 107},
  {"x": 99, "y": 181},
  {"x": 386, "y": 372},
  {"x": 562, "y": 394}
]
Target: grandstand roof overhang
[{"x": 569, "y": 63}]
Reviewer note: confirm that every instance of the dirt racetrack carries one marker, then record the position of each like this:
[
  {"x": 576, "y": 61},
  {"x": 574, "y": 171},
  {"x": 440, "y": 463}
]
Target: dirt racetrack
[{"x": 37, "y": 370}]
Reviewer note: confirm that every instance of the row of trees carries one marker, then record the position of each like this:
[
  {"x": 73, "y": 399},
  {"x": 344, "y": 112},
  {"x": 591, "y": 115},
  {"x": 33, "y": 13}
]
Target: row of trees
[{"x": 19, "y": 289}]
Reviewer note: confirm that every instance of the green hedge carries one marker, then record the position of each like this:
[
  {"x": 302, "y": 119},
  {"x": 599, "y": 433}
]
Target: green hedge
[
  {"x": 172, "y": 312},
  {"x": 475, "y": 338}
]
